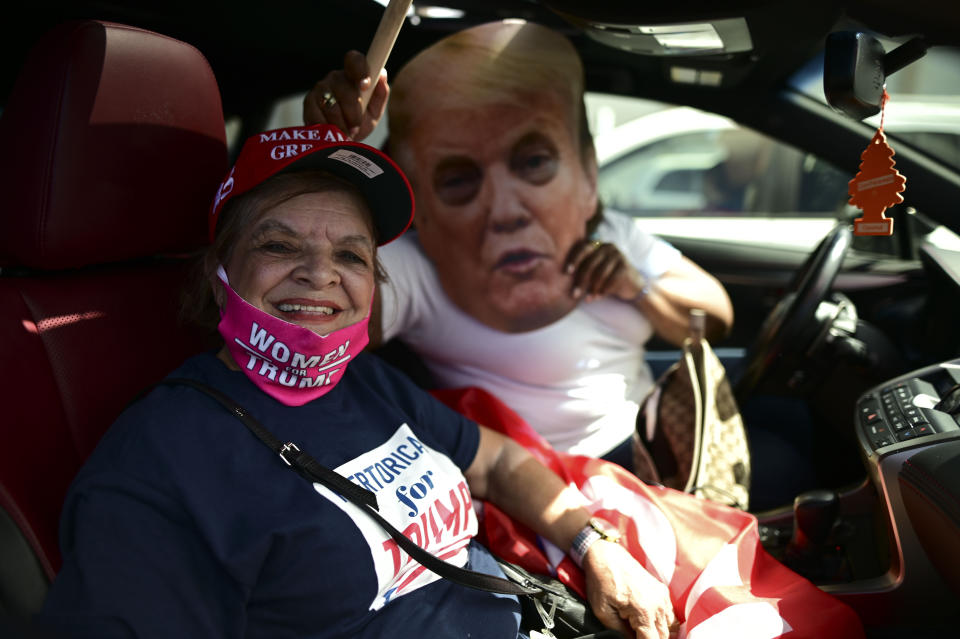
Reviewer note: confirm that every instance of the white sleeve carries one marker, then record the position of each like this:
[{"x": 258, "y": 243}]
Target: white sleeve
[
  {"x": 649, "y": 254},
  {"x": 401, "y": 295}
]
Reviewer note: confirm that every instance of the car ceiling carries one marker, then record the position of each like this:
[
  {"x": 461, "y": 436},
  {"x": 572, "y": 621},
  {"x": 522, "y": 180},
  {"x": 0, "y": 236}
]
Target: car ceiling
[{"x": 259, "y": 49}]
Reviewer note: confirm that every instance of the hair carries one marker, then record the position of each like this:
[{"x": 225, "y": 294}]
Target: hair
[
  {"x": 490, "y": 63},
  {"x": 198, "y": 304}
]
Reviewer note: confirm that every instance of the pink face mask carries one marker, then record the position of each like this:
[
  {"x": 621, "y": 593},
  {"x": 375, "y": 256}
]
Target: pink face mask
[{"x": 290, "y": 363}]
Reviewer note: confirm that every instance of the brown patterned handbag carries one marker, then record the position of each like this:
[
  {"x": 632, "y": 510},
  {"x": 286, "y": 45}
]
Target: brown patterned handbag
[{"x": 690, "y": 435}]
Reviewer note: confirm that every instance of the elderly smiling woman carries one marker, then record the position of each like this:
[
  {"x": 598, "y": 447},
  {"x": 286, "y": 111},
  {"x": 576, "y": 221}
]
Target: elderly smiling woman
[{"x": 182, "y": 524}]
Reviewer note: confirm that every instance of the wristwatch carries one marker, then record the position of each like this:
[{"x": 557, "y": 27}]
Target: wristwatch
[{"x": 595, "y": 530}]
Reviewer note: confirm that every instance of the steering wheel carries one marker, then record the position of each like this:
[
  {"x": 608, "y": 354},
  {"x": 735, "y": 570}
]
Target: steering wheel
[{"x": 791, "y": 325}]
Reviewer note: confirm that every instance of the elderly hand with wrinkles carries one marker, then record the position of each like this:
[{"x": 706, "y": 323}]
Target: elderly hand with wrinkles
[
  {"x": 621, "y": 592},
  {"x": 626, "y": 597},
  {"x": 599, "y": 269}
]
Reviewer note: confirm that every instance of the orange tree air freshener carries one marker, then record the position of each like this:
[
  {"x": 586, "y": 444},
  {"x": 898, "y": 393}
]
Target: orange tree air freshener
[{"x": 876, "y": 186}]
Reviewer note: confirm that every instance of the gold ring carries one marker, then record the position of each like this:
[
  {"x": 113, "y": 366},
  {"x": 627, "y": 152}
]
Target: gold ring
[
  {"x": 327, "y": 100},
  {"x": 596, "y": 244}
]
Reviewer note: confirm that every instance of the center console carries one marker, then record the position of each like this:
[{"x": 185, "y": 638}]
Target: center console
[
  {"x": 908, "y": 429},
  {"x": 889, "y": 547}
]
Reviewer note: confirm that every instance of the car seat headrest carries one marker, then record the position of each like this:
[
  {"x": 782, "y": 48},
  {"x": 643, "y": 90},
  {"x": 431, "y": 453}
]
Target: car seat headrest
[{"x": 112, "y": 145}]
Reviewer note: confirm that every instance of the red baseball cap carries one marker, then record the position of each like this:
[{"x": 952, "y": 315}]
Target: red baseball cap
[{"x": 323, "y": 146}]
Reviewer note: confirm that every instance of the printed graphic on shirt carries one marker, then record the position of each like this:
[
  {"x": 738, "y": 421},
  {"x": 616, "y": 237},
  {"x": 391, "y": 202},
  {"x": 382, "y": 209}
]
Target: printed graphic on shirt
[{"x": 424, "y": 495}]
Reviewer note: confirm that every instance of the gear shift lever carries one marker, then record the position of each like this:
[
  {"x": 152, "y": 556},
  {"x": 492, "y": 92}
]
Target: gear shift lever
[
  {"x": 814, "y": 514},
  {"x": 809, "y": 552}
]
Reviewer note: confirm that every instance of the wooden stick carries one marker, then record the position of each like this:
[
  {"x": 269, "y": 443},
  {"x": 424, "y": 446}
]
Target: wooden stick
[{"x": 393, "y": 16}]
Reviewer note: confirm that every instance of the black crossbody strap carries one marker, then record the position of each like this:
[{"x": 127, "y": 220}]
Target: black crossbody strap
[
  {"x": 313, "y": 470},
  {"x": 288, "y": 452}
]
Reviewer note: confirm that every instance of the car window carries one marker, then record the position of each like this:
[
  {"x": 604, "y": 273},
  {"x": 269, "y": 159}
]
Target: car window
[
  {"x": 678, "y": 167},
  {"x": 715, "y": 167},
  {"x": 691, "y": 174}
]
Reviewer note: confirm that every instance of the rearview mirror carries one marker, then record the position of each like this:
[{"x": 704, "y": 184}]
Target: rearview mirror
[
  {"x": 853, "y": 74},
  {"x": 855, "y": 68}
]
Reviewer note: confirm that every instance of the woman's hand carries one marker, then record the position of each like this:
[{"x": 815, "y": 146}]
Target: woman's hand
[
  {"x": 621, "y": 592},
  {"x": 599, "y": 269},
  {"x": 336, "y": 98},
  {"x": 626, "y": 597}
]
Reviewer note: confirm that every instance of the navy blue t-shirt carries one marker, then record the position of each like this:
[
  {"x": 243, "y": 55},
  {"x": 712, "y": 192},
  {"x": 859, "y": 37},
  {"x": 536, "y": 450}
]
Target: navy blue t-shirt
[{"x": 183, "y": 524}]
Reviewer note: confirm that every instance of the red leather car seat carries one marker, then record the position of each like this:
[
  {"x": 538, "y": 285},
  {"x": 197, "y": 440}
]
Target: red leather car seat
[{"x": 111, "y": 146}]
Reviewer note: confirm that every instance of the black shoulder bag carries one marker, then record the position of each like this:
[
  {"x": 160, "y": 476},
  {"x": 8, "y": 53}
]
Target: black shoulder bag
[{"x": 548, "y": 605}]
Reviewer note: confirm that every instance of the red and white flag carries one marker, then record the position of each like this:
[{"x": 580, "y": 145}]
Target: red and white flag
[{"x": 722, "y": 582}]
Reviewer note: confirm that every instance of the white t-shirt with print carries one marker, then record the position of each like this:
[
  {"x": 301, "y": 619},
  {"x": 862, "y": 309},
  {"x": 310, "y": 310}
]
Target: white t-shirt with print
[{"x": 578, "y": 382}]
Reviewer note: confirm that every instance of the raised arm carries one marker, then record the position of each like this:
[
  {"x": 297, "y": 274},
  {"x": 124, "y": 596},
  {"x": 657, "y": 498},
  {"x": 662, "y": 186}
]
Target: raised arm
[{"x": 336, "y": 98}]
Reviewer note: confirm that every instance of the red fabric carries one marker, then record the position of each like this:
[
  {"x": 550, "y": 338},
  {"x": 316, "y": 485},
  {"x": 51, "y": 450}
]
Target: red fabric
[{"x": 722, "y": 582}]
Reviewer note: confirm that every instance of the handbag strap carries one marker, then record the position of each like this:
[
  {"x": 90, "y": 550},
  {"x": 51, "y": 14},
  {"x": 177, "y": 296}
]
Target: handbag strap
[{"x": 311, "y": 469}]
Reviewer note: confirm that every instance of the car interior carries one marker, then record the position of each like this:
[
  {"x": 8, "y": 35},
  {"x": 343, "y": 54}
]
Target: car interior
[{"x": 119, "y": 120}]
